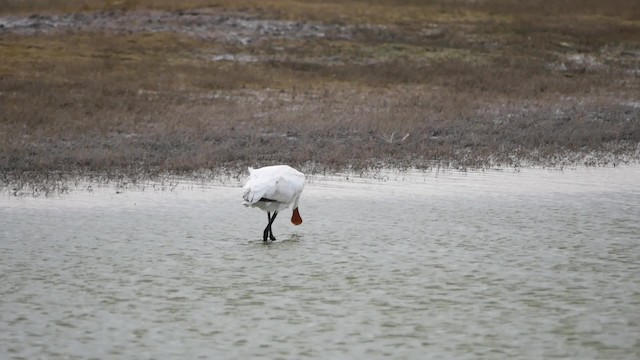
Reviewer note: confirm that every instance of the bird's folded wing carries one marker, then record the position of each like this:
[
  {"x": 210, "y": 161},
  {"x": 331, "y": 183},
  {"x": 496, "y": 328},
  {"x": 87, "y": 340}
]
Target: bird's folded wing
[
  {"x": 284, "y": 191},
  {"x": 277, "y": 188}
]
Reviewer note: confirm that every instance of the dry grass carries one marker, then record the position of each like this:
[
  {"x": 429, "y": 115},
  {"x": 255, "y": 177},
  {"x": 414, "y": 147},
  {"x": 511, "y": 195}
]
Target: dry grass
[{"x": 451, "y": 83}]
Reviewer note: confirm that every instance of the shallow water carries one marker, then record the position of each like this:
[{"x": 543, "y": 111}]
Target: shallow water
[{"x": 534, "y": 264}]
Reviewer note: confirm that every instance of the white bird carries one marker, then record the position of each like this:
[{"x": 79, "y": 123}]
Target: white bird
[{"x": 273, "y": 189}]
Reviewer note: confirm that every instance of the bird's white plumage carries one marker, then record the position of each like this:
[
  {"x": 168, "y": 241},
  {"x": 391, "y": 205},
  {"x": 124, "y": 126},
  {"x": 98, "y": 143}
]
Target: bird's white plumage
[{"x": 278, "y": 186}]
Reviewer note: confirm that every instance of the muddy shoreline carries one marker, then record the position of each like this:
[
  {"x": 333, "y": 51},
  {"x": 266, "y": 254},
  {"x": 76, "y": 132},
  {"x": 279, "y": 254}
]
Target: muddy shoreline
[{"x": 201, "y": 23}]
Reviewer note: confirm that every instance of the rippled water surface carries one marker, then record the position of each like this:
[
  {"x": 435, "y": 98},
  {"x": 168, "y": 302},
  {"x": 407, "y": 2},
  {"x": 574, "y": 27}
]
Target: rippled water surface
[{"x": 535, "y": 264}]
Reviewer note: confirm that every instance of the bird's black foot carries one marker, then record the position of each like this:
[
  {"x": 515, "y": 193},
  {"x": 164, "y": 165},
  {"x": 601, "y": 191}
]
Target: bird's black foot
[{"x": 272, "y": 238}]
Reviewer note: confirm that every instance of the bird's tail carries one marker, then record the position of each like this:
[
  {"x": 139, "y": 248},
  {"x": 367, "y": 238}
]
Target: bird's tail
[
  {"x": 252, "y": 195},
  {"x": 246, "y": 197}
]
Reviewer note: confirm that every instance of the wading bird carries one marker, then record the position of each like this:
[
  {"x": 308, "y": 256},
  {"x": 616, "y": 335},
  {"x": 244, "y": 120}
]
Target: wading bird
[{"x": 273, "y": 189}]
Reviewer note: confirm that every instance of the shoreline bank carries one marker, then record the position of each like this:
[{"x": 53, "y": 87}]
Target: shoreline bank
[{"x": 138, "y": 93}]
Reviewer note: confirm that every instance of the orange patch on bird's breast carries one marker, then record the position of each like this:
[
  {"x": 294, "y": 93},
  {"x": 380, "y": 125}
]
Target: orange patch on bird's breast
[{"x": 295, "y": 218}]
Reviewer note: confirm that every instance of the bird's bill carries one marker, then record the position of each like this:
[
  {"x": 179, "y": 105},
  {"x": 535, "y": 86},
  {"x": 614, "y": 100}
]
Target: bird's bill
[{"x": 295, "y": 218}]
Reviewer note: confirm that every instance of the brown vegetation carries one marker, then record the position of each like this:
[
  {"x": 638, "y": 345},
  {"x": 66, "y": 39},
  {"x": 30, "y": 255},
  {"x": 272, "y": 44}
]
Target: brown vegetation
[{"x": 323, "y": 85}]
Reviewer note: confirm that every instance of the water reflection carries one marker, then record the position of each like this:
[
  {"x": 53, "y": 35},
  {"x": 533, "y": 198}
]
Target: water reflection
[{"x": 534, "y": 264}]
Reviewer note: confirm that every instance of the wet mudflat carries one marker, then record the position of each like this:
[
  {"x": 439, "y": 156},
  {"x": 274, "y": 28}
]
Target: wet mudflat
[{"x": 498, "y": 264}]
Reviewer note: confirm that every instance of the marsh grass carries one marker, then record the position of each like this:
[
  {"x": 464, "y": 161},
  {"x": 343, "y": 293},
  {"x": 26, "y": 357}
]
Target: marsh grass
[{"x": 451, "y": 83}]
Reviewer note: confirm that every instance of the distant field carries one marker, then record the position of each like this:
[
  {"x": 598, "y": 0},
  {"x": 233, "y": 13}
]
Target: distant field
[{"x": 142, "y": 88}]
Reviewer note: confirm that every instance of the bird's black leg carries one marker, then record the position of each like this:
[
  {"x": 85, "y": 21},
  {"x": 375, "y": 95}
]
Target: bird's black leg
[
  {"x": 268, "y": 228},
  {"x": 271, "y": 237}
]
